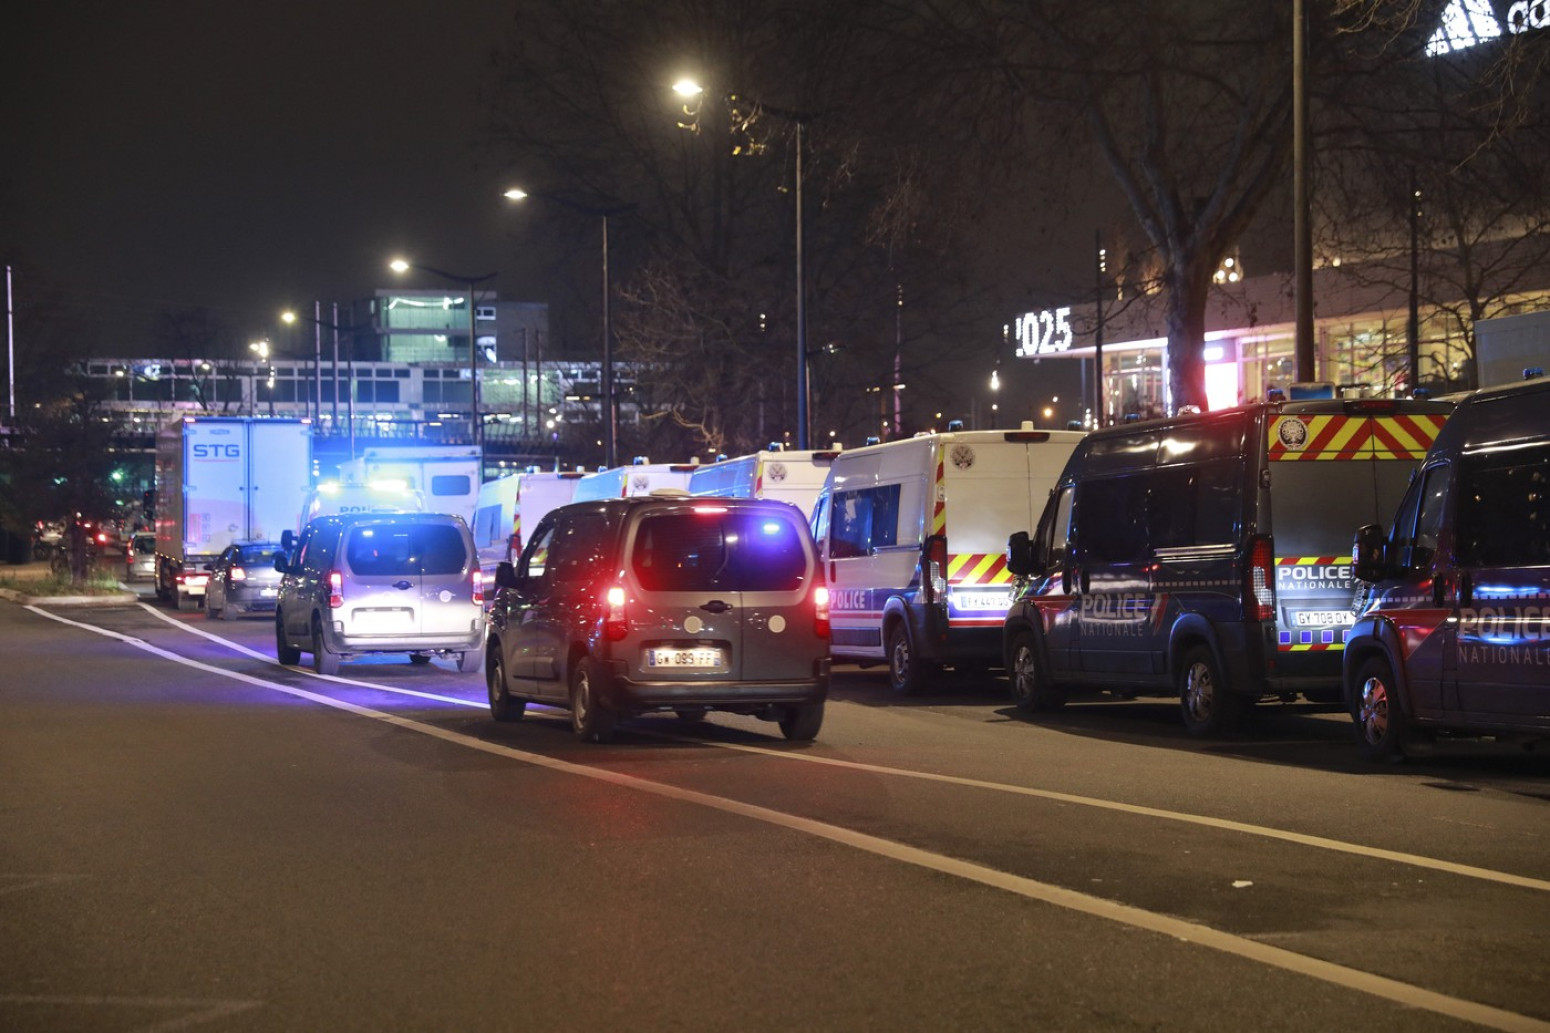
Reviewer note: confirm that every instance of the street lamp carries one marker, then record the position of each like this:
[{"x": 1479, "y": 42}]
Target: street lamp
[
  {"x": 475, "y": 423},
  {"x": 610, "y": 409},
  {"x": 261, "y": 349},
  {"x": 689, "y": 89}
]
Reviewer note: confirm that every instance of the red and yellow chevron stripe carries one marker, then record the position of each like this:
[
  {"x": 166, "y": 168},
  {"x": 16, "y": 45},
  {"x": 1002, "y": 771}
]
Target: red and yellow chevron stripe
[
  {"x": 1312, "y": 647},
  {"x": 977, "y": 568},
  {"x": 939, "y": 497},
  {"x": 1354, "y": 437}
]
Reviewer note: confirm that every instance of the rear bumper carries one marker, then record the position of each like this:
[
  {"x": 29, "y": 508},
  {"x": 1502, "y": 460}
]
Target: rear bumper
[
  {"x": 251, "y": 600},
  {"x": 347, "y": 644},
  {"x": 628, "y": 694}
]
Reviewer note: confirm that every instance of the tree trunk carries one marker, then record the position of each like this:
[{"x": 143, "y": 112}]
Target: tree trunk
[{"x": 1186, "y": 325}]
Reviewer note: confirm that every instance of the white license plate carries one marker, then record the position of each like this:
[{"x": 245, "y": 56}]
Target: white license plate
[
  {"x": 981, "y": 600},
  {"x": 268, "y": 593},
  {"x": 373, "y": 622},
  {"x": 1323, "y": 618},
  {"x": 683, "y": 658}
]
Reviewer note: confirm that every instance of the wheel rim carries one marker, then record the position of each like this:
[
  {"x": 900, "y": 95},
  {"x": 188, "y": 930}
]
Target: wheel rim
[
  {"x": 1024, "y": 677},
  {"x": 901, "y": 659},
  {"x": 494, "y": 681},
  {"x": 581, "y": 706},
  {"x": 1198, "y": 691},
  {"x": 1373, "y": 711}
]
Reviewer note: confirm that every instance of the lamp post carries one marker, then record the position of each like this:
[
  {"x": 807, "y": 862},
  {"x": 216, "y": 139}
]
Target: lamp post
[
  {"x": 475, "y": 422},
  {"x": 289, "y": 317},
  {"x": 261, "y": 349},
  {"x": 688, "y": 88},
  {"x": 610, "y": 412}
]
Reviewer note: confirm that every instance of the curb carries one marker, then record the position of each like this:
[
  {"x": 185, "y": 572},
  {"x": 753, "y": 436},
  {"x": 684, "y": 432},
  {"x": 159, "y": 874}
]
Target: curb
[{"x": 22, "y": 598}]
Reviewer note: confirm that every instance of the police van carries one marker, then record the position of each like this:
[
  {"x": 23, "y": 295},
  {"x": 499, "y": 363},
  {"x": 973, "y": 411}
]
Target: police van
[
  {"x": 341, "y": 498},
  {"x": 912, "y": 536},
  {"x": 508, "y": 504},
  {"x": 640, "y": 478},
  {"x": 774, "y": 473},
  {"x": 1208, "y": 555},
  {"x": 1454, "y": 632}
]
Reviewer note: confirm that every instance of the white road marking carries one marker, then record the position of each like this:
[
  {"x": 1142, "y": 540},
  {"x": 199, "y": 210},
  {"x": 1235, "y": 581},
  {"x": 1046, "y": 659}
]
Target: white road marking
[
  {"x": 1137, "y": 918},
  {"x": 203, "y": 1009}
]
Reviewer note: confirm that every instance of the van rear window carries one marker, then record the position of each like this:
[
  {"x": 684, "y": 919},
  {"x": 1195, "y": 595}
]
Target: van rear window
[
  {"x": 729, "y": 551},
  {"x": 386, "y": 550},
  {"x": 450, "y": 484}
]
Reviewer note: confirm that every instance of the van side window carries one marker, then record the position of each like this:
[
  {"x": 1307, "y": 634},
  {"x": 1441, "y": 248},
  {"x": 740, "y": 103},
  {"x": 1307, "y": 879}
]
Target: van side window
[
  {"x": 535, "y": 558},
  {"x": 1194, "y": 505},
  {"x": 1504, "y": 509},
  {"x": 1057, "y": 532},
  {"x": 1112, "y": 511},
  {"x": 864, "y": 521},
  {"x": 580, "y": 548},
  {"x": 1433, "y": 495}
]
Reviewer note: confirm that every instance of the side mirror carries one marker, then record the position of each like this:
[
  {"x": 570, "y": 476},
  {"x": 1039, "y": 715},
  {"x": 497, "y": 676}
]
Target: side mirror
[
  {"x": 1019, "y": 554},
  {"x": 505, "y": 575},
  {"x": 282, "y": 562},
  {"x": 287, "y": 540},
  {"x": 1369, "y": 554}
]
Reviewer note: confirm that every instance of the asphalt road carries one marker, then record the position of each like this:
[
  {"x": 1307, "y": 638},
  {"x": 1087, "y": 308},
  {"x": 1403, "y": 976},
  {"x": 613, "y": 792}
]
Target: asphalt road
[{"x": 192, "y": 837}]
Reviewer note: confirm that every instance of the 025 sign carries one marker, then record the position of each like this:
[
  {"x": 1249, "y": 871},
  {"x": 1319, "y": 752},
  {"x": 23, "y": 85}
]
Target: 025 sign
[{"x": 1047, "y": 332}]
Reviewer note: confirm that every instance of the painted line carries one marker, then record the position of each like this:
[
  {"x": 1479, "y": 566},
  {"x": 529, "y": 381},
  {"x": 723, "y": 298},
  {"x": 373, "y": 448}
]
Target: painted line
[
  {"x": 1139, "y": 810},
  {"x": 1189, "y": 932},
  {"x": 203, "y": 1009}
]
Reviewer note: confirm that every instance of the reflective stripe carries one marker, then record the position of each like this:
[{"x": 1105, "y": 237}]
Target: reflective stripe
[
  {"x": 977, "y": 568},
  {"x": 1408, "y": 436}
]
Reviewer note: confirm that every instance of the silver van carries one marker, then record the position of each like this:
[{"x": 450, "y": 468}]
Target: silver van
[
  {"x": 381, "y": 583},
  {"x": 663, "y": 603}
]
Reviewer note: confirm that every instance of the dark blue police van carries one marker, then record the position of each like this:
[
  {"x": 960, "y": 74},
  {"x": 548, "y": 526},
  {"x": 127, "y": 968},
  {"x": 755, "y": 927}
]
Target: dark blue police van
[
  {"x": 1454, "y": 633},
  {"x": 1208, "y": 555}
]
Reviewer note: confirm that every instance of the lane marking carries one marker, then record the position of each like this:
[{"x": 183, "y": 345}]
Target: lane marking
[
  {"x": 1139, "y": 810},
  {"x": 1394, "y": 990},
  {"x": 204, "y": 1009}
]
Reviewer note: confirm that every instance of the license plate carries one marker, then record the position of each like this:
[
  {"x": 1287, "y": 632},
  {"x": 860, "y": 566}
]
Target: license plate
[
  {"x": 268, "y": 593},
  {"x": 981, "y": 600},
  {"x": 379, "y": 621},
  {"x": 1323, "y": 618},
  {"x": 683, "y": 658}
]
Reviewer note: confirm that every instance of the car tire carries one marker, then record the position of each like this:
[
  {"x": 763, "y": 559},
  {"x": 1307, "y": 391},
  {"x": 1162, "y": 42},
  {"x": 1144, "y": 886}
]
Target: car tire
[
  {"x": 1382, "y": 727},
  {"x": 502, "y": 706},
  {"x": 1031, "y": 688},
  {"x": 1205, "y": 703},
  {"x": 907, "y": 673},
  {"x": 283, "y": 650},
  {"x": 323, "y": 662},
  {"x": 590, "y": 717},
  {"x": 801, "y": 722}
]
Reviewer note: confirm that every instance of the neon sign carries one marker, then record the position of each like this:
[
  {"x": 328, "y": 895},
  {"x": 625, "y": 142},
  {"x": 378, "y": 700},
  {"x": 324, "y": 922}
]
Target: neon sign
[
  {"x": 1466, "y": 23},
  {"x": 1047, "y": 332}
]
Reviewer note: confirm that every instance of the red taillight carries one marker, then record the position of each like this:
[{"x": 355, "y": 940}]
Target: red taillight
[
  {"x": 934, "y": 572},
  {"x": 614, "y": 623},
  {"x": 238, "y": 574},
  {"x": 1259, "y": 601},
  {"x": 821, "y": 610},
  {"x": 102, "y": 538},
  {"x": 478, "y": 585},
  {"x": 335, "y": 589}
]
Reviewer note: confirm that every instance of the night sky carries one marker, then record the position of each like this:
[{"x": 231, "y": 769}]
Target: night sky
[{"x": 242, "y": 157}]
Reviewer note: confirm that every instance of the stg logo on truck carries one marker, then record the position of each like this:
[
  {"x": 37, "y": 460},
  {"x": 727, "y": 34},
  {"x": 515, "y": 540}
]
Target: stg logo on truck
[{"x": 217, "y": 451}]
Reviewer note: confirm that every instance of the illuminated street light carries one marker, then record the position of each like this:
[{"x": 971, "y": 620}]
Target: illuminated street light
[{"x": 691, "y": 90}]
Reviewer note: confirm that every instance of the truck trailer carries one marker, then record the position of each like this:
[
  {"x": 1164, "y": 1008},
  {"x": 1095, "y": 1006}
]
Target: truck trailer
[{"x": 222, "y": 480}]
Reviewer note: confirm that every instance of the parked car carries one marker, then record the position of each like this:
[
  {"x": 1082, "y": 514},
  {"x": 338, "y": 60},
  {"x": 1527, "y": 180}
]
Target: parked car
[
  {"x": 1454, "y": 632},
  {"x": 624, "y": 606},
  {"x": 140, "y": 557},
  {"x": 380, "y": 583},
  {"x": 243, "y": 579},
  {"x": 1208, "y": 555}
]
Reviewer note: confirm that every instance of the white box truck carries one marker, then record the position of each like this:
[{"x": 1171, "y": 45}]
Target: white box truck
[
  {"x": 221, "y": 480},
  {"x": 794, "y": 477},
  {"x": 448, "y": 476}
]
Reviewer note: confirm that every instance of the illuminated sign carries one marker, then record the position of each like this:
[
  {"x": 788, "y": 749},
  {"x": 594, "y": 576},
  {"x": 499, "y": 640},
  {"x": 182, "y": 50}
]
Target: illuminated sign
[
  {"x": 1047, "y": 332},
  {"x": 1466, "y": 23}
]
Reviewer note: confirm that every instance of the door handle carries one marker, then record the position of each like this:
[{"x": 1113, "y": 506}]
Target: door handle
[
  {"x": 403, "y": 586},
  {"x": 716, "y": 606}
]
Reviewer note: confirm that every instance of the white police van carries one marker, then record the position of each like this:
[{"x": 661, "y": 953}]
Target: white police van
[
  {"x": 912, "y": 534},
  {"x": 774, "y": 473}
]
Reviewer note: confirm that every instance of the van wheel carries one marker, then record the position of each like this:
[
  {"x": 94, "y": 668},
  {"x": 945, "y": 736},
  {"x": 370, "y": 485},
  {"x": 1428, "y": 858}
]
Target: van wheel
[
  {"x": 1382, "y": 729},
  {"x": 907, "y": 674},
  {"x": 801, "y": 722},
  {"x": 283, "y": 650},
  {"x": 323, "y": 662},
  {"x": 502, "y": 706},
  {"x": 1208, "y": 707},
  {"x": 590, "y": 717},
  {"x": 1031, "y": 688}
]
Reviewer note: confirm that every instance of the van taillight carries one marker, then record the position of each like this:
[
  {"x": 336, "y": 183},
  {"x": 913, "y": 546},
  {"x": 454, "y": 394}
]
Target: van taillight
[
  {"x": 821, "y": 611},
  {"x": 1259, "y": 601},
  {"x": 478, "y": 579},
  {"x": 335, "y": 589},
  {"x": 934, "y": 574},
  {"x": 614, "y": 623}
]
